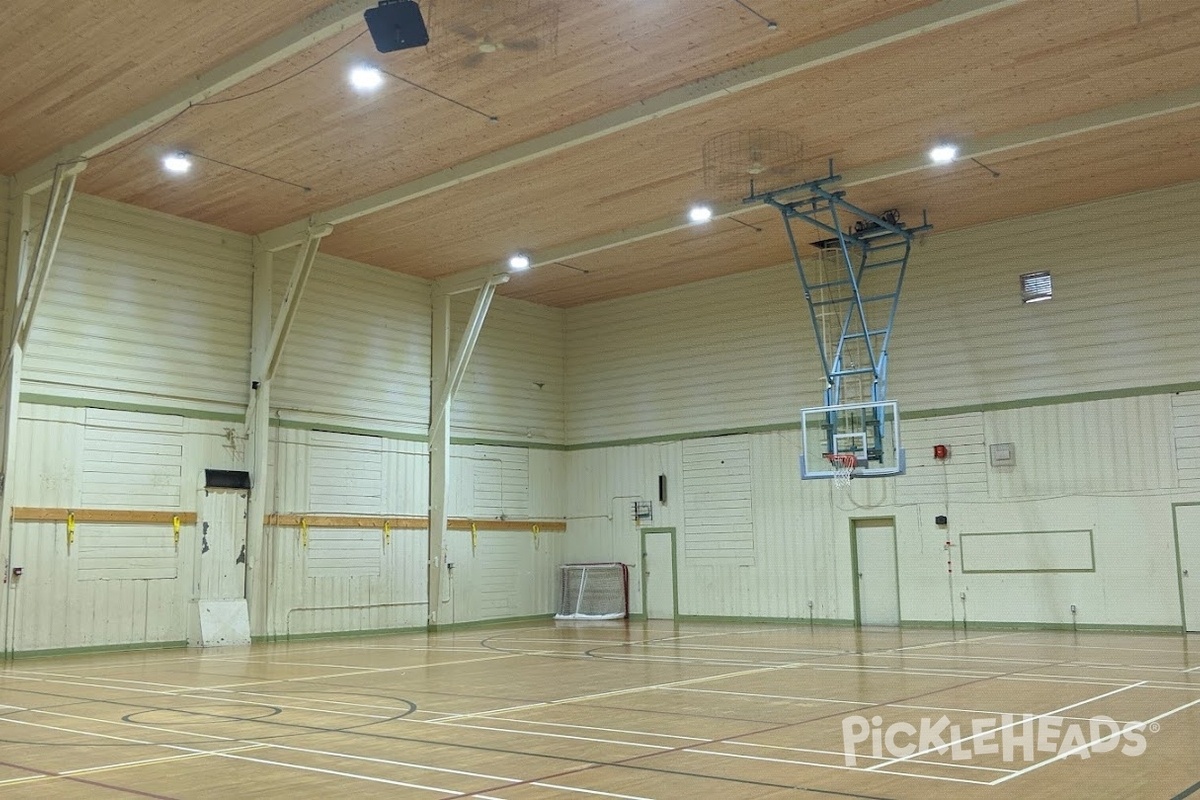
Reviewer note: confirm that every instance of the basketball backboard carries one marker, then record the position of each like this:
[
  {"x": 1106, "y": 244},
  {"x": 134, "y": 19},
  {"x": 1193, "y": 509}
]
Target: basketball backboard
[{"x": 869, "y": 431}]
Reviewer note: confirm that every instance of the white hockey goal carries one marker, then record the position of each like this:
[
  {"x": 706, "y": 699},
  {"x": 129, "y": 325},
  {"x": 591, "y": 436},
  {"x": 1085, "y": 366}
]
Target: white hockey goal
[{"x": 594, "y": 591}]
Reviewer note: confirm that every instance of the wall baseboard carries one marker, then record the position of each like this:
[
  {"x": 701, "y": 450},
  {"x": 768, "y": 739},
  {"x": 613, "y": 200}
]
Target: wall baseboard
[
  {"x": 1040, "y": 626},
  {"x": 99, "y": 648}
]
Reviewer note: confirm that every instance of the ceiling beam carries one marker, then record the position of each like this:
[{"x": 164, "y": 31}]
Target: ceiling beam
[
  {"x": 317, "y": 27},
  {"x": 1087, "y": 122},
  {"x": 809, "y": 56}
]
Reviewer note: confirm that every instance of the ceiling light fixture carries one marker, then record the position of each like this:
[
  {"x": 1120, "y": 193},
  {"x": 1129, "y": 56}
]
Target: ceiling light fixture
[
  {"x": 943, "y": 153},
  {"x": 519, "y": 262},
  {"x": 366, "y": 79},
  {"x": 177, "y": 163},
  {"x": 698, "y": 214}
]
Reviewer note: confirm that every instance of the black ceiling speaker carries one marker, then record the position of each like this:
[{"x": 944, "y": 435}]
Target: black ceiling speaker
[{"x": 396, "y": 25}]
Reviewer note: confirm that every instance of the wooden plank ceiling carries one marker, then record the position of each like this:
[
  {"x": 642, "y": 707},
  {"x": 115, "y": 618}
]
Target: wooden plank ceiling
[{"x": 1031, "y": 62}]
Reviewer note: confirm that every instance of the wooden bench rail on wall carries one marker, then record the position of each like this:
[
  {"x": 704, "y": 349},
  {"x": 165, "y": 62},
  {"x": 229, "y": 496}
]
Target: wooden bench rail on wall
[
  {"x": 115, "y": 516},
  {"x": 413, "y": 523},
  {"x": 140, "y": 517}
]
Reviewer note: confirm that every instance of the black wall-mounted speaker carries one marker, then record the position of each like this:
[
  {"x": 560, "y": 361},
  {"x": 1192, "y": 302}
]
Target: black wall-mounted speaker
[
  {"x": 396, "y": 25},
  {"x": 662, "y": 489}
]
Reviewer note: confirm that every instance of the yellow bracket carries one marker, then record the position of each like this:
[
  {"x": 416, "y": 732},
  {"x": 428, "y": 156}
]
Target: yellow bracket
[
  {"x": 474, "y": 537},
  {"x": 303, "y": 532},
  {"x": 175, "y": 527},
  {"x": 387, "y": 532},
  {"x": 537, "y": 529},
  {"x": 70, "y": 528}
]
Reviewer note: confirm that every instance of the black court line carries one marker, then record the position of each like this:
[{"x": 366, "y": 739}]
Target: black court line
[
  {"x": 85, "y": 781},
  {"x": 1188, "y": 792}
]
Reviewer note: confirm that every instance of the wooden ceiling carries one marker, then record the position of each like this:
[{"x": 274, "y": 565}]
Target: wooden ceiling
[{"x": 295, "y": 141}]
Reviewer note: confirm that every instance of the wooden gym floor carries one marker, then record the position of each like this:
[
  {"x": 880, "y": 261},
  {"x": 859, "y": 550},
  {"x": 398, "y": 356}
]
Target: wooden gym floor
[{"x": 608, "y": 711}]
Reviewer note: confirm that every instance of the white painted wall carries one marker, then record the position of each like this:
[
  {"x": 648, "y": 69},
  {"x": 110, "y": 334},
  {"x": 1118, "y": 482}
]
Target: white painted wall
[
  {"x": 146, "y": 321},
  {"x": 738, "y": 351},
  {"x": 115, "y": 584},
  {"x": 971, "y": 366},
  {"x": 143, "y": 308}
]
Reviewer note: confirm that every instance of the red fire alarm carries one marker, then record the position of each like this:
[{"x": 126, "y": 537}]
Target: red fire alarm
[{"x": 941, "y": 452}]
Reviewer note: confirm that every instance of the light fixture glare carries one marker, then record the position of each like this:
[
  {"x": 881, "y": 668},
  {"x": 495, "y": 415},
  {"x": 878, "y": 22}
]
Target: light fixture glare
[
  {"x": 700, "y": 214},
  {"x": 943, "y": 154},
  {"x": 519, "y": 262},
  {"x": 177, "y": 163},
  {"x": 366, "y": 78}
]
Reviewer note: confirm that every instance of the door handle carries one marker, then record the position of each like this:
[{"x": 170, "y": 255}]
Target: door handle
[
  {"x": 1185, "y": 573},
  {"x": 860, "y": 576}
]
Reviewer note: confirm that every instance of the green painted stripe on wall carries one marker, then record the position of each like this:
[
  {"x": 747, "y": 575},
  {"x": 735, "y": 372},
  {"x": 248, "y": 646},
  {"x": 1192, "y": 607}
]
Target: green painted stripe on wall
[
  {"x": 100, "y": 648},
  {"x": 928, "y": 413}
]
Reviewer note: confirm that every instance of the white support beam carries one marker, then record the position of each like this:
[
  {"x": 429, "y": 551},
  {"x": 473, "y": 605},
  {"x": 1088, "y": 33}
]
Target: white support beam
[
  {"x": 471, "y": 279},
  {"x": 1028, "y": 136},
  {"x": 1075, "y": 125},
  {"x": 315, "y": 28},
  {"x": 258, "y": 421},
  {"x": 446, "y": 378},
  {"x": 19, "y": 226},
  {"x": 439, "y": 456},
  {"x": 42, "y": 258},
  {"x": 809, "y": 56},
  {"x": 305, "y": 257}
]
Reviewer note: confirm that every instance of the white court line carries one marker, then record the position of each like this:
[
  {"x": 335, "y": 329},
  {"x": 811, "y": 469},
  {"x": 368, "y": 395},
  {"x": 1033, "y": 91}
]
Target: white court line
[
  {"x": 993, "y": 731},
  {"x": 842, "y": 754},
  {"x": 1193, "y": 669},
  {"x": 231, "y": 754},
  {"x": 613, "y": 693},
  {"x": 946, "y": 642},
  {"x": 1127, "y": 729},
  {"x": 70, "y": 773},
  {"x": 862, "y": 703},
  {"x": 838, "y": 766}
]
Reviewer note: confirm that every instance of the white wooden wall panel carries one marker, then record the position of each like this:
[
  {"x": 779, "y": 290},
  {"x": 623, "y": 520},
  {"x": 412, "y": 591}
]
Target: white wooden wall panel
[
  {"x": 343, "y": 553},
  {"x": 143, "y": 307},
  {"x": 501, "y": 482},
  {"x": 513, "y": 387},
  {"x": 344, "y": 580},
  {"x": 801, "y": 531},
  {"x": 359, "y": 350},
  {"x": 1185, "y": 412},
  {"x": 117, "y": 583},
  {"x": 126, "y": 552},
  {"x": 345, "y": 473},
  {"x": 731, "y": 351},
  {"x": 738, "y": 351},
  {"x": 1119, "y": 445},
  {"x": 718, "y": 510},
  {"x": 1118, "y": 318},
  {"x": 962, "y": 476},
  {"x": 131, "y": 460}
]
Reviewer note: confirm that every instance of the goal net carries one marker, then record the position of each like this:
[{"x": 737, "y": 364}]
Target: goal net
[{"x": 594, "y": 591}]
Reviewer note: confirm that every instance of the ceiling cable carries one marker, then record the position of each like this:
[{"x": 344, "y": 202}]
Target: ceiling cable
[
  {"x": 247, "y": 170},
  {"x": 485, "y": 115}
]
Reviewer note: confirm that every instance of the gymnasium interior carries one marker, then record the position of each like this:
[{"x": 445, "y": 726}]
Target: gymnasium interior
[{"x": 639, "y": 399}]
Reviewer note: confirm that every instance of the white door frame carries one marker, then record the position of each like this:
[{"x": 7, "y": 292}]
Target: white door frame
[
  {"x": 674, "y": 570},
  {"x": 854, "y": 522}
]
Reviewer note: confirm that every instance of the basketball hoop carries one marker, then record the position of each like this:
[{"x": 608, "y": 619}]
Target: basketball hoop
[{"x": 843, "y": 467}]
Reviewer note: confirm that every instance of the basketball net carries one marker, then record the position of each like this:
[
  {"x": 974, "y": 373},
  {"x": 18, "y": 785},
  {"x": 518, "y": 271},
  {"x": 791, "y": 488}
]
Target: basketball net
[{"x": 843, "y": 468}]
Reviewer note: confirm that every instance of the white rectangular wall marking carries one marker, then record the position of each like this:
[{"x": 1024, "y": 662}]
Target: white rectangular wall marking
[
  {"x": 343, "y": 553},
  {"x": 1031, "y": 551},
  {"x": 125, "y": 552},
  {"x": 717, "y": 508}
]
